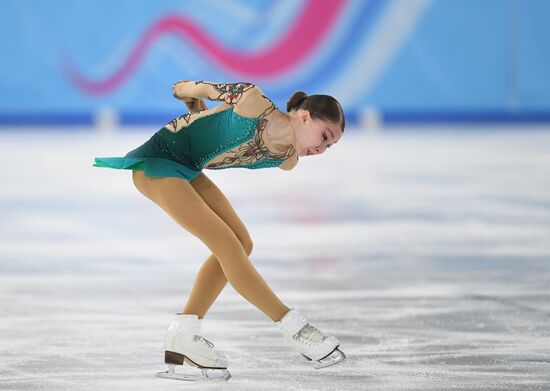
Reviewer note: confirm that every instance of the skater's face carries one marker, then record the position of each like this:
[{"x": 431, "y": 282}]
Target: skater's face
[{"x": 313, "y": 135}]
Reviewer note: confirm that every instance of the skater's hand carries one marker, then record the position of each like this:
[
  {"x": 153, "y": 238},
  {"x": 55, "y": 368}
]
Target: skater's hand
[
  {"x": 195, "y": 104},
  {"x": 175, "y": 90}
]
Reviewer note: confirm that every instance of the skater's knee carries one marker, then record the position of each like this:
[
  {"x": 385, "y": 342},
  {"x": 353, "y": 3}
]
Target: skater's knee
[
  {"x": 244, "y": 237},
  {"x": 223, "y": 242},
  {"x": 247, "y": 244}
]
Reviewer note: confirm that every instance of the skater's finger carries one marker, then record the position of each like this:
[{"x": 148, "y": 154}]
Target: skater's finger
[
  {"x": 191, "y": 104},
  {"x": 202, "y": 105}
]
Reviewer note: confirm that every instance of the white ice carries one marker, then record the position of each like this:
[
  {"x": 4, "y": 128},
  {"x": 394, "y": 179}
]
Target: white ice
[{"x": 425, "y": 251}]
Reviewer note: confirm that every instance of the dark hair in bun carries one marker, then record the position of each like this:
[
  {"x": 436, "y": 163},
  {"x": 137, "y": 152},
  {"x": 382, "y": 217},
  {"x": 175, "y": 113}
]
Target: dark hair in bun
[
  {"x": 295, "y": 101},
  {"x": 323, "y": 107}
]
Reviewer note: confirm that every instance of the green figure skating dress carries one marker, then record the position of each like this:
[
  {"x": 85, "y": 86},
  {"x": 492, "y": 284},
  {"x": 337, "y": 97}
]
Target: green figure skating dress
[{"x": 210, "y": 139}]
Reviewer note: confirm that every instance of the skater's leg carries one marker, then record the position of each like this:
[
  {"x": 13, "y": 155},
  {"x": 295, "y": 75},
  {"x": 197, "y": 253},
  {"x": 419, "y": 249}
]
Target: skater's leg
[
  {"x": 210, "y": 279},
  {"x": 181, "y": 201},
  {"x": 209, "y": 283}
]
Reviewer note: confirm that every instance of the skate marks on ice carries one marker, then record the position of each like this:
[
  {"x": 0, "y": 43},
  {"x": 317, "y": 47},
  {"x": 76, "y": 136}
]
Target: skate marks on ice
[{"x": 429, "y": 263}]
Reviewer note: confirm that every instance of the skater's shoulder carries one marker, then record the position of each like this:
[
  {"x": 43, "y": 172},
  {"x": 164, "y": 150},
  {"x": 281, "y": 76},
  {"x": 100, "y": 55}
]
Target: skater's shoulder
[{"x": 255, "y": 104}]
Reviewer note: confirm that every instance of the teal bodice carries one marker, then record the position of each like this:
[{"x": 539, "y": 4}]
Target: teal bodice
[
  {"x": 215, "y": 141},
  {"x": 212, "y": 135}
]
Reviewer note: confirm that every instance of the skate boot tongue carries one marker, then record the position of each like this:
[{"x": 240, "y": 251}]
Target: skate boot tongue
[
  {"x": 291, "y": 323},
  {"x": 186, "y": 324}
]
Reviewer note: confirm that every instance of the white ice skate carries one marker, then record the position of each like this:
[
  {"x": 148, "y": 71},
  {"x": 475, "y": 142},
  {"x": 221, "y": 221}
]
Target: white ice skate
[
  {"x": 313, "y": 344},
  {"x": 184, "y": 345}
]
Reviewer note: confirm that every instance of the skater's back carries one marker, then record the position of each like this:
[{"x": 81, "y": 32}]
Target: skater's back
[{"x": 232, "y": 134}]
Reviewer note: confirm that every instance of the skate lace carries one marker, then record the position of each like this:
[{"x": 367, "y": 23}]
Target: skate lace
[
  {"x": 203, "y": 340},
  {"x": 309, "y": 335}
]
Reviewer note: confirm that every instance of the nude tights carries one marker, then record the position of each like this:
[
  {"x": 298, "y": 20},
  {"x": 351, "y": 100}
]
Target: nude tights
[{"x": 204, "y": 211}]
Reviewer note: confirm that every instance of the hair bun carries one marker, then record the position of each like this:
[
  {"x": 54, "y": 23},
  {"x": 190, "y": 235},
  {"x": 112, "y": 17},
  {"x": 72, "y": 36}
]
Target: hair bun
[{"x": 295, "y": 101}]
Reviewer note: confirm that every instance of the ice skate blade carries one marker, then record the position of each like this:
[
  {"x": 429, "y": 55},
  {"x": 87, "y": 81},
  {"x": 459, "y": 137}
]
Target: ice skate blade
[
  {"x": 190, "y": 374},
  {"x": 337, "y": 356}
]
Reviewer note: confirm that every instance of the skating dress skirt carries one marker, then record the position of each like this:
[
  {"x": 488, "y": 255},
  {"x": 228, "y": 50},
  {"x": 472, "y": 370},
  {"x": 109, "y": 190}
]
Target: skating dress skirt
[{"x": 186, "y": 151}]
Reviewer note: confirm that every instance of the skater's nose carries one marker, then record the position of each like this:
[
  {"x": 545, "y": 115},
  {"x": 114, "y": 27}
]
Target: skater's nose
[{"x": 319, "y": 149}]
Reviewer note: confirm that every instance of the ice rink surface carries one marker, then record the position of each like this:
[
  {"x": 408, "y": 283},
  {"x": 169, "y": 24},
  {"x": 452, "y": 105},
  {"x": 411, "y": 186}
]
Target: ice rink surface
[{"x": 425, "y": 251}]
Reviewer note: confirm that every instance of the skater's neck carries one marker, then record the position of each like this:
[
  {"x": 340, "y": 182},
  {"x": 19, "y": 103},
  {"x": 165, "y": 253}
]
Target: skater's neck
[{"x": 280, "y": 130}]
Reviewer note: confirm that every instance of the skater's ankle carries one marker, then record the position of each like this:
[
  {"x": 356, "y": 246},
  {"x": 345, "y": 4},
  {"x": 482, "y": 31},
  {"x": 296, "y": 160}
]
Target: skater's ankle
[
  {"x": 190, "y": 313},
  {"x": 280, "y": 315}
]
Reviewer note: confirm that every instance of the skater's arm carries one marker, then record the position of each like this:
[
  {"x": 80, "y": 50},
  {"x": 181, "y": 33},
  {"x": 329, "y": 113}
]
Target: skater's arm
[
  {"x": 195, "y": 104},
  {"x": 231, "y": 93}
]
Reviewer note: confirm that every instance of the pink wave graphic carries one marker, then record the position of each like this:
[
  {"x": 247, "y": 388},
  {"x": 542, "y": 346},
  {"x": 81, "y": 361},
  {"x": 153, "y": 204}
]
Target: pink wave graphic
[{"x": 302, "y": 38}]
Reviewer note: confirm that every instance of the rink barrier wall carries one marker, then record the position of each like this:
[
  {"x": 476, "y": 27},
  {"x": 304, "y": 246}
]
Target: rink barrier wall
[{"x": 416, "y": 61}]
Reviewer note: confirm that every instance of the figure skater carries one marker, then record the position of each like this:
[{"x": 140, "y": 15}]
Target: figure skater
[{"x": 246, "y": 130}]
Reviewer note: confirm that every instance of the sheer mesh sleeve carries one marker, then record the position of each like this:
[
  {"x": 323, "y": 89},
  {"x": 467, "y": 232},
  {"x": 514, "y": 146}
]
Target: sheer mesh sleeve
[{"x": 231, "y": 93}]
